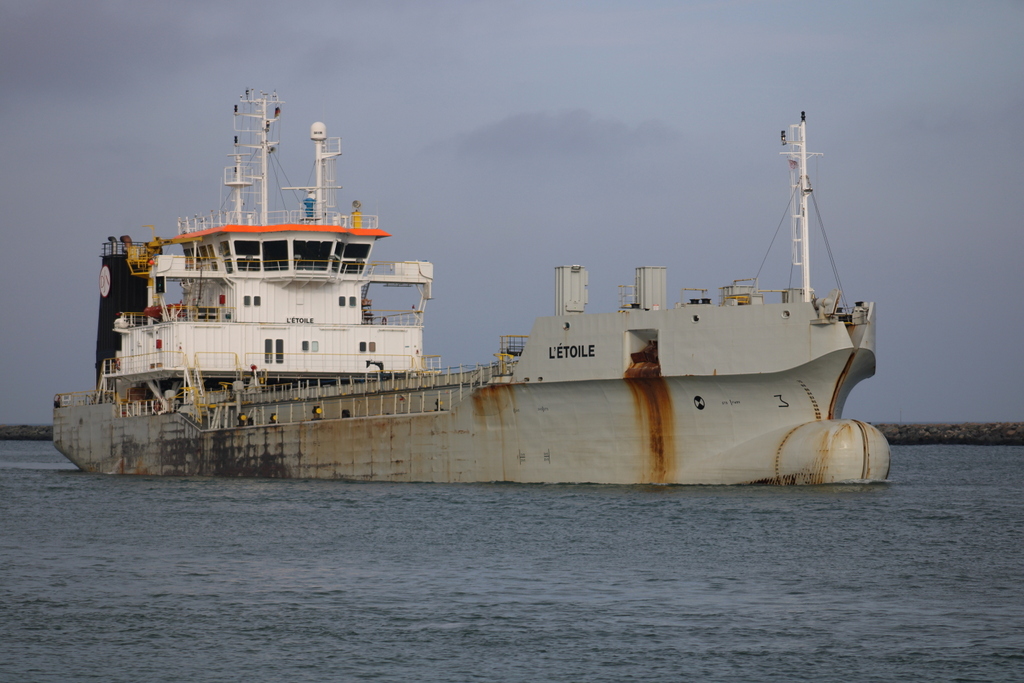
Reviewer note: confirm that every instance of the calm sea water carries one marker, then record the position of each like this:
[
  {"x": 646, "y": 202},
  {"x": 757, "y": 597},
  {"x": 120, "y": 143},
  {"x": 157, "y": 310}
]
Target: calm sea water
[{"x": 107, "y": 578}]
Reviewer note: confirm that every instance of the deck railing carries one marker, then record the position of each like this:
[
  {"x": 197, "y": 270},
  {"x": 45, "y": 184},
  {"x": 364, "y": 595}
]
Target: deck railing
[
  {"x": 220, "y": 219},
  {"x": 367, "y": 395}
]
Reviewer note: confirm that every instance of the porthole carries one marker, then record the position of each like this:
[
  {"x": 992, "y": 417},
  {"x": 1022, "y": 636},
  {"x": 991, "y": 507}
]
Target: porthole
[
  {"x": 695, "y": 318},
  {"x": 785, "y": 315}
]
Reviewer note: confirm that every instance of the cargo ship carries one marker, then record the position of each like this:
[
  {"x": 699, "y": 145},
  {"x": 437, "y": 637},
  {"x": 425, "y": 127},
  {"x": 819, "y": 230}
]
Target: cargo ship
[{"x": 248, "y": 345}]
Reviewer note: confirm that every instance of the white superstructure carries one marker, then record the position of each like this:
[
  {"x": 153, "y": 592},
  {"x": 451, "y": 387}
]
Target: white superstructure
[{"x": 282, "y": 294}]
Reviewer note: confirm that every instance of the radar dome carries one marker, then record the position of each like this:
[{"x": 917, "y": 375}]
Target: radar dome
[{"x": 318, "y": 131}]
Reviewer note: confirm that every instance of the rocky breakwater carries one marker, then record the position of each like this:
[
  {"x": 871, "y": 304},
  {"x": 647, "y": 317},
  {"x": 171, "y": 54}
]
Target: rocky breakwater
[
  {"x": 974, "y": 433},
  {"x": 26, "y": 432}
]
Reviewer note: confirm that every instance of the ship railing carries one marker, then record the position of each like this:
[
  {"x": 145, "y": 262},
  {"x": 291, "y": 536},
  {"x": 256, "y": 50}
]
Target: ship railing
[
  {"x": 219, "y": 219},
  {"x": 330, "y": 363},
  {"x": 454, "y": 383},
  {"x": 342, "y": 407},
  {"x": 368, "y": 394},
  {"x": 375, "y": 394},
  {"x": 396, "y": 271},
  {"x": 513, "y": 344},
  {"x": 216, "y": 360},
  {"x": 156, "y": 361},
  {"x": 178, "y": 312},
  {"x": 83, "y": 398},
  {"x": 296, "y": 362},
  {"x": 399, "y": 318},
  {"x": 133, "y": 319},
  {"x": 176, "y": 263},
  {"x": 142, "y": 408}
]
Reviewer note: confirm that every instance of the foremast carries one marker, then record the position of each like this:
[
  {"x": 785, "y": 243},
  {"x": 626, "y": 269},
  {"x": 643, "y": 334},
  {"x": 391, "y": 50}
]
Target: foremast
[{"x": 801, "y": 184}]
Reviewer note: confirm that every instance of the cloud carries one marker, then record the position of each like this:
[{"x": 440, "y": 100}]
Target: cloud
[{"x": 573, "y": 134}]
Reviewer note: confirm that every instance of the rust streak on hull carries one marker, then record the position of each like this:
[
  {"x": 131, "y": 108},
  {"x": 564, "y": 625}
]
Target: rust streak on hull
[
  {"x": 656, "y": 424},
  {"x": 839, "y": 385}
]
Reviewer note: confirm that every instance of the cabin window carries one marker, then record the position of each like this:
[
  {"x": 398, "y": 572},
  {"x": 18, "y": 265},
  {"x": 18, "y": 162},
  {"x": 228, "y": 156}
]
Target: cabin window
[
  {"x": 275, "y": 255},
  {"x": 362, "y": 347},
  {"x": 256, "y": 300},
  {"x": 305, "y": 346},
  {"x": 312, "y": 254},
  {"x": 248, "y": 254},
  {"x": 225, "y": 253},
  {"x": 314, "y": 346},
  {"x": 341, "y": 301},
  {"x": 352, "y": 301},
  {"x": 246, "y": 300},
  {"x": 279, "y": 349},
  {"x": 373, "y": 346}
]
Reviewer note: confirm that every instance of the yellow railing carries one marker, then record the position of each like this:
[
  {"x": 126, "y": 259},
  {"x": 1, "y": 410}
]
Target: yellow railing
[{"x": 217, "y": 360}]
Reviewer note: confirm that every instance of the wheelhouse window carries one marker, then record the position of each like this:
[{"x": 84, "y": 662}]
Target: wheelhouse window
[
  {"x": 354, "y": 256},
  {"x": 339, "y": 249},
  {"x": 207, "y": 256},
  {"x": 225, "y": 253},
  {"x": 275, "y": 255},
  {"x": 312, "y": 254},
  {"x": 248, "y": 254}
]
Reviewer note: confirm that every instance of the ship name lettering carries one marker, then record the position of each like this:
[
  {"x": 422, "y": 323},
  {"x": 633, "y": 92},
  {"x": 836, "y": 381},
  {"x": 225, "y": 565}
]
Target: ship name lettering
[
  {"x": 571, "y": 351},
  {"x": 308, "y": 321}
]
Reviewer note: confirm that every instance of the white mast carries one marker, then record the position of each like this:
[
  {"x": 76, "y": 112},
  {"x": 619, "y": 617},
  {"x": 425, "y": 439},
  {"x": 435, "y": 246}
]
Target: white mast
[
  {"x": 254, "y": 128},
  {"x": 321, "y": 196},
  {"x": 801, "y": 184}
]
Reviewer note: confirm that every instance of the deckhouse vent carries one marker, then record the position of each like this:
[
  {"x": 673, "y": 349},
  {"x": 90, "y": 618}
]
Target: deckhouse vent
[{"x": 570, "y": 290}]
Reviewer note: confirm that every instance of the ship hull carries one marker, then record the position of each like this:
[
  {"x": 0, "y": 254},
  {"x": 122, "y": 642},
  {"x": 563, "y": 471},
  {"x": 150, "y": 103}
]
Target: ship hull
[{"x": 775, "y": 428}]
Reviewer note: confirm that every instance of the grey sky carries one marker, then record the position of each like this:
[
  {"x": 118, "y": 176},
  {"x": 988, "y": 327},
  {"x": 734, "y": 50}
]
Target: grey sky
[{"x": 501, "y": 139}]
